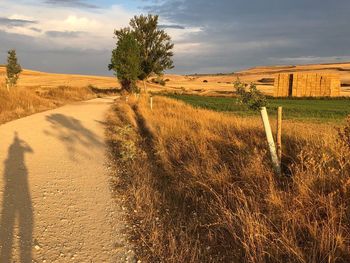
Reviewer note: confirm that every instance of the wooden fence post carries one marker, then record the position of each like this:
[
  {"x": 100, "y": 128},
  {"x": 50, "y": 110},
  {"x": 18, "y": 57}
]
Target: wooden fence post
[
  {"x": 279, "y": 134},
  {"x": 270, "y": 141}
]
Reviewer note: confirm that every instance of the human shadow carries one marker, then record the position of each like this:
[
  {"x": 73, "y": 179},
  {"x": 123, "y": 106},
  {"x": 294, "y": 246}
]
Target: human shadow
[
  {"x": 72, "y": 133},
  {"x": 16, "y": 204}
]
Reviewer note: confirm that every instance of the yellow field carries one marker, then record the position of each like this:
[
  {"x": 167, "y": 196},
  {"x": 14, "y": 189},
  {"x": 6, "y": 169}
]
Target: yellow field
[
  {"x": 215, "y": 85},
  {"x": 36, "y": 79},
  {"x": 222, "y": 84},
  {"x": 39, "y": 91}
]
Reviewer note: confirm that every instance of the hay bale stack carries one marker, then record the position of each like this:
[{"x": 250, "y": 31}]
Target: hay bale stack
[
  {"x": 282, "y": 85},
  {"x": 307, "y": 85}
]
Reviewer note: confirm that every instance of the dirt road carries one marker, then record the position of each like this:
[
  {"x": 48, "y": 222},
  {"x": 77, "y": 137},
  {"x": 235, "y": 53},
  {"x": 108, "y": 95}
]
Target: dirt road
[{"x": 55, "y": 196}]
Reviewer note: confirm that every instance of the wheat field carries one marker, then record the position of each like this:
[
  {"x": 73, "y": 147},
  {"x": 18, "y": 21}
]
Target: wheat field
[
  {"x": 39, "y": 91},
  {"x": 263, "y": 76}
]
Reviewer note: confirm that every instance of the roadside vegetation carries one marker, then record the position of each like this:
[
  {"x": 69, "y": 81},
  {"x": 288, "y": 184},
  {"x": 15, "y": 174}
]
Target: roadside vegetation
[
  {"x": 20, "y": 102},
  {"x": 303, "y": 109},
  {"x": 201, "y": 188}
]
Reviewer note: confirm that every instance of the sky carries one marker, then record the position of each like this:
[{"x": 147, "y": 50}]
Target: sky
[{"x": 76, "y": 36}]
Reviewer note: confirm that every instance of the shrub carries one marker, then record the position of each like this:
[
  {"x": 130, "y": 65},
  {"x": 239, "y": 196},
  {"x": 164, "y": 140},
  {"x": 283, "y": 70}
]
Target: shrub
[
  {"x": 205, "y": 81},
  {"x": 159, "y": 81},
  {"x": 253, "y": 98}
]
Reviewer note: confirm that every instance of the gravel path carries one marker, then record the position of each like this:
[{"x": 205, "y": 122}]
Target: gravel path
[{"x": 55, "y": 196}]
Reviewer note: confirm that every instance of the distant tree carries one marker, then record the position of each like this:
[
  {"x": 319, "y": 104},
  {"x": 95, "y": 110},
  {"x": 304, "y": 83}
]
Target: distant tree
[
  {"x": 13, "y": 69},
  {"x": 155, "y": 45},
  {"x": 125, "y": 61}
]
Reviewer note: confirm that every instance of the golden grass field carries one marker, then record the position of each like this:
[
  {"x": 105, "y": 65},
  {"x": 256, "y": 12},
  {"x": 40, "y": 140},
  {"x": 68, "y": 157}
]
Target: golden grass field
[
  {"x": 201, "y": 186},
  {"x": 39, "y": 91},
  {"x": 223, "y": 84},
  {"x": 43, "y": 80},
  {"x": 217, "y": 85}
]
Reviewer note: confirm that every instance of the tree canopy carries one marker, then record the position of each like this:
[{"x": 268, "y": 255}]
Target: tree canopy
[
  {"x": 155, "y": 45},
  {"x": 125, "y": 60}
]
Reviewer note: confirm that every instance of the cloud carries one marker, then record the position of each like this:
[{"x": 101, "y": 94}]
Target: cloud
[
  {"x": 311, "y": 59},
  {"x": 171, "y": 26},
  {"x": 42, "y": 56},
  {"x": 64, "y": 34},
  {"x": 209, "y": 36},
  {"x": 71, "y": 3},
  {"x": 38, "y": 30},
  {"x": 8, "y": 22},
  {"x": 237, "y": 34},
  {"x": 61, "y": 40}
]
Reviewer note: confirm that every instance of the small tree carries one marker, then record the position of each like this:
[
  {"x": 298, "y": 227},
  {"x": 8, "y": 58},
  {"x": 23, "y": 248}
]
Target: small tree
[
  {"x": 13, "y": 69},
  {"x": 125, "y": 61},
  {"x": 155, "y": 45},
  {"x": 253, "y": 98}
]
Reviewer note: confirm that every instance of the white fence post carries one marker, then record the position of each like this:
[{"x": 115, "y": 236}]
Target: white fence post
[{"x": 272, "y": 146}]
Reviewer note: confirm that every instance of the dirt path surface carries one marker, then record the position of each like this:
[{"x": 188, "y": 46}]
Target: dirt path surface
[{"x": 55, "y": 196}]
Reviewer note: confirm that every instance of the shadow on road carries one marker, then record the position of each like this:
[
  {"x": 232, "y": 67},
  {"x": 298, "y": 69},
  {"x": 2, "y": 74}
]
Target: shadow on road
[
  {"x": 16, "y": 204},
  {"x": 72, "y": 133}
]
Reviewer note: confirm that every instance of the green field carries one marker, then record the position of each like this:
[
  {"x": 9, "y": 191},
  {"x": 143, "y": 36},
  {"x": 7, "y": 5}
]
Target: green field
[{"x": 318, "y": 110}]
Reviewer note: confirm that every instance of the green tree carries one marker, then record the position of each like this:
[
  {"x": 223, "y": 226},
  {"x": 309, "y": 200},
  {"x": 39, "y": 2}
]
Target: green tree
[
  {"x": 155, "y": 45},
  {"x": 13, "y": 69},
  {"x": 253, "y": 98},
  {"x": 125, "y": 61}
]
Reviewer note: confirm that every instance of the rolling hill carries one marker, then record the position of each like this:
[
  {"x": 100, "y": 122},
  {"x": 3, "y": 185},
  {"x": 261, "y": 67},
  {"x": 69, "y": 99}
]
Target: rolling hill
[
  {"x": 221, "y": 84},
  {"x": 37, "y": 79}
]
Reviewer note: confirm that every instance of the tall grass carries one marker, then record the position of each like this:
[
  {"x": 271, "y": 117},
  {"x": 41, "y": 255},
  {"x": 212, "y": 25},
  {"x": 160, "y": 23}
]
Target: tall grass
[
  {"x": 201, "y": 187},
  {"x": 20, "y": 102}
]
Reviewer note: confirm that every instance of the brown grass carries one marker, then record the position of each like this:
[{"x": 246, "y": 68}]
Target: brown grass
[
  {"x": 20, "y": 102},
  {"x": 201, "y": 188},
  {"x": 44, "y": 80},
  {"x": 39, "y": 91}
]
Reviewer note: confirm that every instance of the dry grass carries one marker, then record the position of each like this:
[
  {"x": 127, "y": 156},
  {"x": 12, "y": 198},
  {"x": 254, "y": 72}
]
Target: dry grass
[
  {"x": 20, "y": 102},
  {"x": 202, "y": 189},
  {"x": 39, "y": 91},
  {"x": 222, "y": 85},
  {"x": 44, "y": 80}
]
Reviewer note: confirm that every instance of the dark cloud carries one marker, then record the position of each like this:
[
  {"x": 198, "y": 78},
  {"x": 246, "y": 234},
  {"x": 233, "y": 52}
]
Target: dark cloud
[
  {"x": 72, "y": 3},
  {"x": 8, "y": 22},
  {"x": 38, "y": 30},
  {"x": 64, "y": 34},
  {"x": 171, "y": 26},
  {"x": 45, "y": 56},
  {"x": 236, "y": 34}
]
